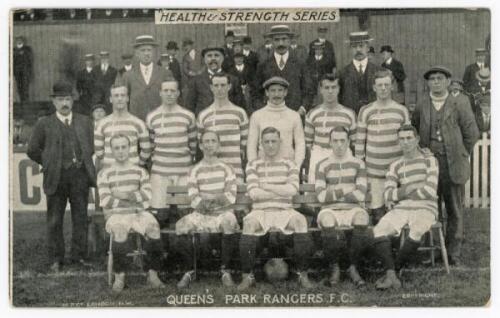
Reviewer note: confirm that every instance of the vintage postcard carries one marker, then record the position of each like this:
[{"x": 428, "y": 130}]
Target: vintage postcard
[{"x": 224, "y": 157}]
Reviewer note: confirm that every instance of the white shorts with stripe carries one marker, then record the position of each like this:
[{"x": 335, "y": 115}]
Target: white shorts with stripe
[
  {"x": 276, "y": 221},
  {"x": 160, "y": 184},
  {"x": 342, "y": 217},
  {"x": 419, "y": 221},
  {"x": 376, "y": 189},
  {"x": 144, "y": 223},
  {"x": 202, "y": 223}
]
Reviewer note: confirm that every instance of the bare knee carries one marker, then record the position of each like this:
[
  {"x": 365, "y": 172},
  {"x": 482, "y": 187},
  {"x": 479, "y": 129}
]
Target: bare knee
[
  {"x": 228, "y": 224},
  {"x": 383, "y": 228},
  {"x": 250, "y": 226},
  {"x": 298, "y": 223},
  {"x": 361, "y": 218},
  {"x": 327, "y": 220}
]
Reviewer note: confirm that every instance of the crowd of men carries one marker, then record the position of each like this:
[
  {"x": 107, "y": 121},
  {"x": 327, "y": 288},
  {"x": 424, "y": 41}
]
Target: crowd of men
[{"x": 375, "y": 168}]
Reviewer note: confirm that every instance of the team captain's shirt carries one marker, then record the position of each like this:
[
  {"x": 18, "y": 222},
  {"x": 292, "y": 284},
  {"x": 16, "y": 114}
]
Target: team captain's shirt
[
  {"x": 320, "y": 121},
  {"x": 130, "y": 126},
  {"x": 282, "y": 171},
  {"x": 231, "y": 124},
  {"x": 218, "y": 178},
  {"x": 377, "y": 136},
  {"x": 173, "y": 136},
  {"x": 132, "y": 179},
  {"x": 421, "y": 174},
  {"x": 341, "y": 184}
]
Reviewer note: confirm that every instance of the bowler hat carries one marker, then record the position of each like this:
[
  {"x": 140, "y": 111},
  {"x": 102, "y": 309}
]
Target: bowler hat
[
  {"x": 127, "y": 56},
  {"x": 276, "y": 80},
  {"x": 229, "y": 33},
  {"x": 371, "y": 50},
  {"x": 280, "y": 30},
  {"x": 62, "y": 88},
  {"x": 144, "y": 40},
  {"x": 357, "y": 37},
  {"x": 437, "y": 69},
  {"x": 21, "y": 37},
  {"x": 318, "y": 45},
  {"x": 247, "y": 40},
  {"x": 386, "y": 48},
  {"x": 172, "y": 45},
  {"x": 483, "y": 75}
]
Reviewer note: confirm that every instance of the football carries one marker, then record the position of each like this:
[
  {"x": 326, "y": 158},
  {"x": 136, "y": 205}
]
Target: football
[{"x": 276, "y": 269}]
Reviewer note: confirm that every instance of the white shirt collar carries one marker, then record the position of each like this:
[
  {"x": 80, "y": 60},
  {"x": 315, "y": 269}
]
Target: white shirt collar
[
  {"x": 277, "y": 57},
  {"x": 89, "y": 69},
  {"x": 240, "y": 67},
  {"x": 246, "y": 52},
  {"x": 145, "y": 67},
  {"x": 128, "y": 67},
  {"x": 389, "y": 60},
  {"x": 318, "y": 57},
  {"x": 210, "y": 72},
  {"x": 321, "y": 40},
  {"x": 63, "y": 118},
  {"x": 363, "y": 63},
  {"x": 192, "y": 54}
]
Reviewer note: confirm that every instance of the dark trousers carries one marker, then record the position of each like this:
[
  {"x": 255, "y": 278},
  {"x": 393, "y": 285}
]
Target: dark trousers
[
  {"x": 73, "y": 186},
  {"x": 452, "y": 195},
  {"x": 23, "y": 87}
]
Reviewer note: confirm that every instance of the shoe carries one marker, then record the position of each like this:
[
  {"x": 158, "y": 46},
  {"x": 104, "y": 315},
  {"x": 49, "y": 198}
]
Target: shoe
[
  {"x": 335, "y": 276},
  {"x": 247, "y": 282},
  {"x": 186, "y": 280},
  {"x": 153, "y": 279},
  {"x": 355, "y": 277},
  {"x": 304, "y": 280},
  {"x": 227, "y": 279},
  {"x": 119, "y": 283},
  {"x": 55, "y": 267},
  {"x": 390, "y": 281}
]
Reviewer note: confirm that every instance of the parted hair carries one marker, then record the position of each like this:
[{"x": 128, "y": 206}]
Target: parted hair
[{"x": 269, "y": 130}]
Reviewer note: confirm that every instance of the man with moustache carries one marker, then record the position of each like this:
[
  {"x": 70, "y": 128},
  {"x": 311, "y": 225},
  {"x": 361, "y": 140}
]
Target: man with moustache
[{"x": 62, "y": 144}]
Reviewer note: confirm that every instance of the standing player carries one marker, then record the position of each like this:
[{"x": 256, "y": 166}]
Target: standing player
[
  {"x": 320, "y": 121},
  {"x": 377, "y": 138},
  {"x": 229, "y": 121},
  {"x": 172, "y": 130},
  {"x": 121, "y": 121},
  {"x": 125, "y": 191},
  {"x": 272, "y": 182},
  {"x": 341, "y": 186},
  {"x": 411, "y": 197},
  {"x": 212, "y": 190}
]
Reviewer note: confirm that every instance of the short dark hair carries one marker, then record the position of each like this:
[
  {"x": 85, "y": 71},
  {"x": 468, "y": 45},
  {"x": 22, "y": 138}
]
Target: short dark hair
[
  {"x": 339, "y": 129},
  {"x": 408, "y": 127},
  {"x": 118, "y": 86},
  {"x": 118, "y": 136},
  {"x": 269, "y": 130},
  {"x": 209, "y": 131},
  {"x": 170, "y": 79},
  {"x": 221, "y": 74},
  {"x": 382, "y": 74},
  {"x": 327, "y": 77}
]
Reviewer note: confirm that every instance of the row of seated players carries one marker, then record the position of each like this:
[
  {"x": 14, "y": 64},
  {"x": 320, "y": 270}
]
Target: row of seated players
[{"x": 341, "y": 185}]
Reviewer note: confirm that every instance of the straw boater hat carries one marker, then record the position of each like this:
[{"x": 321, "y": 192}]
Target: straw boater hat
[
  {"x": 437, "y": 69},
  {"x": 358, "y": 37},
  {"x": 280, "y": 30},
  {"x": 145, "y": 40}
]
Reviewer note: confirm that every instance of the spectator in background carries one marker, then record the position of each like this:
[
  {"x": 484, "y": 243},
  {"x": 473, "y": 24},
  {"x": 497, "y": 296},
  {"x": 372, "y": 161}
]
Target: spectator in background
[
  {"x": 265, "y": 51},
  {"x": 245, "y": 75},
  {"x": 98, "y": 113},
  {"x": 318, "y": 65},
  {"x": 21, "y": 132},
  {"x": 23, "y": 67},
  {"x": 328, "y": 49},
  {"x": 104, "y": 76},
  {"x": 470, "y": 80},
  {"x": 85, "y": 85},
  {"x": 371, "y": 55},
  {"x": 228, "y": 44},
  {"x": 298, "y": 50},
  {"x": 172, "y": 63},
  {"x": 127, "y": 63},
  {"x": 398, "y": 72},
  {"x": 192, "y": 64},
  {"x": 251, "y": 57}
]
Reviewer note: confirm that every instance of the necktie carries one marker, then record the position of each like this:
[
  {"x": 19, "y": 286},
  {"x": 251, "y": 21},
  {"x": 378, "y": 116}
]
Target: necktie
[
  {"x": 360, "y": 69},
  {"x": 282, "y": 62},
  {"x": 66, "y": 122}
]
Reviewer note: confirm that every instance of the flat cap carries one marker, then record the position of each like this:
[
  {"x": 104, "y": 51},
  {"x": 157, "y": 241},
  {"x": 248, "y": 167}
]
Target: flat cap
[
  {"x": 276, "y": 80},
  {"x": 437, "y": 69}
]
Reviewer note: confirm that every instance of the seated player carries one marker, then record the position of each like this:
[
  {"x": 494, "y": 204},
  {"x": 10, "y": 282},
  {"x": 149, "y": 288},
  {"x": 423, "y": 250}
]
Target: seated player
[
  {"x": 271, "y": 183},
  {"x": 124, "y": 192},
  {"x": 411, "y": 198},
  {"x": 212, "y": 190},
  {"x": 341, "y": 184}
]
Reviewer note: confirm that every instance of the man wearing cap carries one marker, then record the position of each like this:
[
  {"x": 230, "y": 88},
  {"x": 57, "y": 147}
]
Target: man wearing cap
[
  {"x": 85, "y": 81},
  {"x": 23, "y": 67},
  {"x": 276, "y": 114},
  {"x": 470, "y": 81},
  {"x": 144, "y": 80},
  {"x": 398, "y": 71},
  {"x": 356, "y": 78},
  {"x": 447, "y": 127},
  {"x": 287, "y": 66},
  {"x": 328, "y": 49},
  {"x": 318, "y": 65},
  {"x": 62, "y": 144},
  {"x": 105, "y": 76},
  {"x": 199, "y": 94},
  {"x": 127, "y": 63}
]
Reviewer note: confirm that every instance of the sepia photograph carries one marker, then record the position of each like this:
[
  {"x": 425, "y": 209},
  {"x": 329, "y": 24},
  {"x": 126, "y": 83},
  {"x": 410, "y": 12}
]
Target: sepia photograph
[{"x": 249, "y": 157}]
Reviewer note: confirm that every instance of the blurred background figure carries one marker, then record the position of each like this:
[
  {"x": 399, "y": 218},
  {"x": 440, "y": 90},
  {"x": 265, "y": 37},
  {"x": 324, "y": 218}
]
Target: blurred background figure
[
  {"x": 23, "y": 67},
  {"x": 398, "y": 71}
]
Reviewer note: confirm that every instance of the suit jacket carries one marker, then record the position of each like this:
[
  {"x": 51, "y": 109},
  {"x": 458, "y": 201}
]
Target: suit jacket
[
  {"x": 191, "y": 65},
  {"x": 252, "y": 61},
  {"x": 121, "y": 71},
  {"x": 458, "y": 129},
  {"x": 328, "y": 51},
  {"x": 300, "y": 52},
  {"x": 199, "y": 96},
  {"x": 264, "y": 53},
  {"x": 45, "y": 148},
  {"x": 318, "y": 68},
  {"x": 174, "y": 70},
  {"x": 300, "y": 91},
  {"x": 85, "y": 82},
  {"x": 348, "y": 80},
  {"x": 143, "y": 97},
  {"x": 23, "y": 63},
  {"x": 398, "y": 71},
  {"x": 470, "y": 81},
  {"x": 103, "y": 83}
]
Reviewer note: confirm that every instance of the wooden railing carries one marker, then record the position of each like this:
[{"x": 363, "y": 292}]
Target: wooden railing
[{"x": 477, "y": 189}]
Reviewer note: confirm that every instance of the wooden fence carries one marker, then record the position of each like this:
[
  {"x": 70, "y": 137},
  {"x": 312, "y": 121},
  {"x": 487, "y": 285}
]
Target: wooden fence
[{"x": 477, "y": 189}]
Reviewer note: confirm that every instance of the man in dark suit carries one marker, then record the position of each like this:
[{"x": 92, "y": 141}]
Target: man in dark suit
[
  {"x": 23, "y": 68},
  {"x": 298, "y": 50},
  {"x": 192, "y": 64},
  {"x": 145, "y": 78},
  {"x": 199, "y": 95},
  {"x": 251, "y": 57},
  {"x": 398, "y": 71},
  {"x": 266, "y": 50},
  {"x": 356, "y": 79},
  {"x": 447, "y": 127},
  {"x": 469, "y": 79},
  {"x": 329, "y": 51},
  {"x": 172, "y": 63},
  {"x": 319, "y": 64},
  {"x": 228, "y": 44},
  {"x": 127, "y": 63},
  {"x": 63, "y": 144},
  {"x": 245, "y": 75},
  {"x": 105, "y": 76},
  {"x": 285, "y": 65},
  {"x": 85, "y": 81}
]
